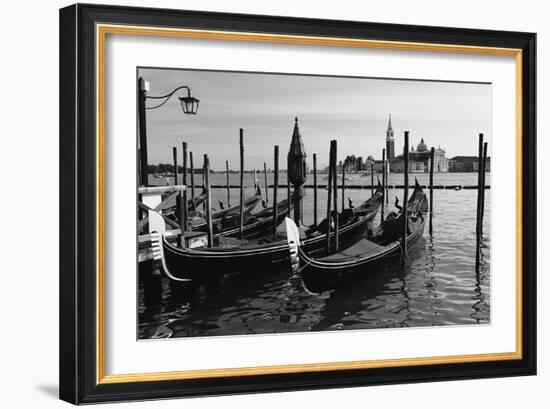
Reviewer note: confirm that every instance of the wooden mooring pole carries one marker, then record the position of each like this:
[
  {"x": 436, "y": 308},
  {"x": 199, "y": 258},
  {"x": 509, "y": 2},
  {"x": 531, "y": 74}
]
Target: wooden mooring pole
[
  {"x": 335, "y": 192},
  {"x": 479, "y": 199},
  {"x": 372, "y": 179},
  {"x": 175, "y": 155},
  {"x": 183, "y": 194},
  {"x": 383, "y": 185},
  {"x": 184, "y": 163},
  {"x": 432, "y": 153},
  {"x": 343, "y": 185},
  {"x": 483, "y": 174},
  {"x": 241, "y": 193},
  {"x": 405, "y": 199},
  {"x": 265, "y": 185},
  {"x": 275, "y": 186},
  {"x": 227, "y": 184},
  {"x": 315, "y": 189},
  {"x": 206, "y": 173},
  {"x": 181, "y": 208},
  {"x": 387, "y": 197},
  {"x": 288, "y": 187},
  {"x": 329, "y": 190},
  {"x": 192, "y": 171}
]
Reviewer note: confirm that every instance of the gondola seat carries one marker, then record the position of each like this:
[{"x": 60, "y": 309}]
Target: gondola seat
[{"x": 361, "y": 249}]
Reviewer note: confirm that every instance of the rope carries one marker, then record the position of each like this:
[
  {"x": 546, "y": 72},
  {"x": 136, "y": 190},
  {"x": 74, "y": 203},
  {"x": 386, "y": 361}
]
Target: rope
[
  {"x": 402, "y": 250},
  {"x": 302, "y": 267}
]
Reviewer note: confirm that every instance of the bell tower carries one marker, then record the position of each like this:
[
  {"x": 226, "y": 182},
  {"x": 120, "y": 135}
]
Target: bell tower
[{"x": 390, "y": 142}]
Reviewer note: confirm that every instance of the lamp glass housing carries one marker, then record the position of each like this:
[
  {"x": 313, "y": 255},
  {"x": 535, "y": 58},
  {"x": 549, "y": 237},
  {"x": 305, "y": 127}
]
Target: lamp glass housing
[{"x": 189, "y": 105}]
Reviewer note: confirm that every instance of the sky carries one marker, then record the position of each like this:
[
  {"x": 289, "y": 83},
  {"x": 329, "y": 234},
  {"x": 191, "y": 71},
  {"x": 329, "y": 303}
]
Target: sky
[{"x": 352, "y": 110}]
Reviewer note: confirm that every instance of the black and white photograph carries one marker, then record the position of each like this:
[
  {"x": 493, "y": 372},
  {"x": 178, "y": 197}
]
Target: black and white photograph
[{"x": 281, "y": 203}]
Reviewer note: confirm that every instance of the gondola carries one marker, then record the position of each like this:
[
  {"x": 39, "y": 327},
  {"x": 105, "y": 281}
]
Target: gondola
[
  {"x": 203, "y": 264},
  {"x": 169, "y": 208},
  {"x": 192, "y": 204},
  {"x": 418, "y": 201},
  {"x": 259, "y": 224},
  {"x": 228, "y": 219},
  {"x": 365, "y": 207},
  {"x": 365, "y": 257}
]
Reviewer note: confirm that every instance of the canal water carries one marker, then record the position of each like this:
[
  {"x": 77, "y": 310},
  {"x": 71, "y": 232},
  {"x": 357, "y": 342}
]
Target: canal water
[{"x": 439, "y": 285}]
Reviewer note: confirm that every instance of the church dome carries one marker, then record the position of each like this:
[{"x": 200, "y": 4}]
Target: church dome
[{"x": 422, "y": 147}]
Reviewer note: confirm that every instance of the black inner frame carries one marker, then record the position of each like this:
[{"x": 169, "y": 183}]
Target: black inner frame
[{"x": 78, "y": 211}]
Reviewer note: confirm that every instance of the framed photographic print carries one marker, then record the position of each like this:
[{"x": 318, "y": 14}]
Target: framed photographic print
[{"x": 257, "y": 203}]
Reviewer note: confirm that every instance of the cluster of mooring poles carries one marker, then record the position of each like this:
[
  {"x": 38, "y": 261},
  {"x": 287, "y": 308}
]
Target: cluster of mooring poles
[
  {"x": 385, "y": 195},
  {"x": 182, "y": 202},
  {"x": 296, "y": 175},
  {"x": 482, "y": 164}
]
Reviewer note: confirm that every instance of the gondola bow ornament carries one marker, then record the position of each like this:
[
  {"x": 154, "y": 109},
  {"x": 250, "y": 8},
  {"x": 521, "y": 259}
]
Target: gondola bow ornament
[
  {"x": 158, "y": 229},
  {"x": 293, "y": 239}
]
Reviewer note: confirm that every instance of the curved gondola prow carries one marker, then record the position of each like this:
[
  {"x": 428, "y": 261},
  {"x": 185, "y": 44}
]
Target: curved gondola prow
[
  {"x": 296, "y": 252},
  {"x": 157, "y": 227},
  {"x": 418, "y": 200}
]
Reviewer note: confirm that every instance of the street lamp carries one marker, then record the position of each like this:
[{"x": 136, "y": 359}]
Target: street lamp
[{"x": 189, "y": 106}]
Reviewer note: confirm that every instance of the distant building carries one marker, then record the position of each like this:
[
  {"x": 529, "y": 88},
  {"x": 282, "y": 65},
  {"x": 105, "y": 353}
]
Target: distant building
[
  {"x": 419, "y": 160},
  {"x": 441, "y": 163},
  {"x": 378, "y": 165},
  {"x": 466, "y": 164}
]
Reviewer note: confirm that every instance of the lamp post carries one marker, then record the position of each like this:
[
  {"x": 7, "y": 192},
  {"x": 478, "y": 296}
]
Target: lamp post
[
  {"x": 189, "y": 106},
  {"x": 297, "y": 171}
]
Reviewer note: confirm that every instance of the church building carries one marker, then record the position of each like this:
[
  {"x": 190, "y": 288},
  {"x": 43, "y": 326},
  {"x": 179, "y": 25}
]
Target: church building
[{"x": 419, "y": 159}]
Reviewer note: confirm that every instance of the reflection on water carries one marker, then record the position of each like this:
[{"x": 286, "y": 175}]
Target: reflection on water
[{"x": 438, "y": 286}]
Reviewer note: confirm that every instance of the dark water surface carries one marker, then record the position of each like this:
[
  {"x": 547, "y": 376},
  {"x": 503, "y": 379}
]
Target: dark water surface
[{"x": 439, "y": 285}]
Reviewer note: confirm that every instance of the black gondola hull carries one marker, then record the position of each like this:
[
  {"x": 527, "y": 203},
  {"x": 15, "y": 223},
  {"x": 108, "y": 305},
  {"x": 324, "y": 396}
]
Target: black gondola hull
[
  {"x": 317, "y": 278},
  {"x": 209, "y": 264},
  {"x": 262, "y": 226}
]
